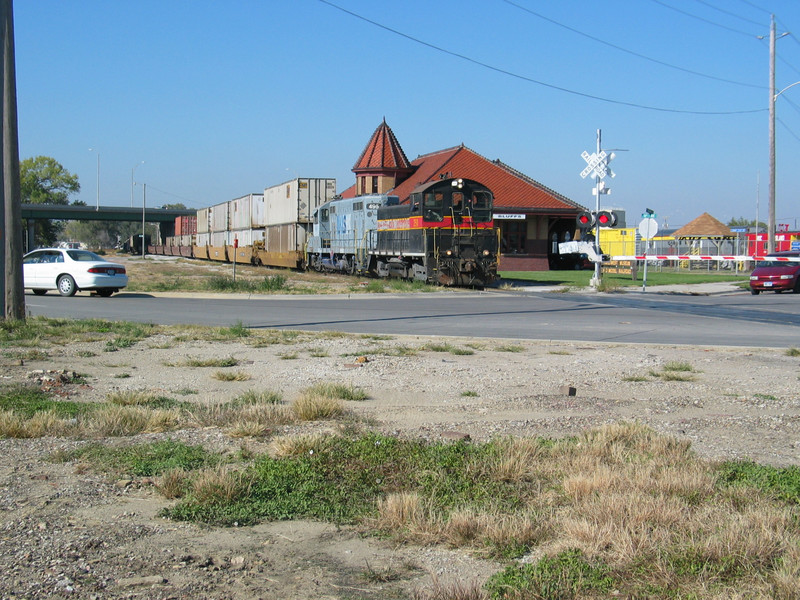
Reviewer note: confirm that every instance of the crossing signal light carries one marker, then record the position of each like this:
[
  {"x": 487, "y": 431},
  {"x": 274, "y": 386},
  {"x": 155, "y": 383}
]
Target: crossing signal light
[
  {"x": 606, "y": 218},
  {"x": 585, "y": 219}
]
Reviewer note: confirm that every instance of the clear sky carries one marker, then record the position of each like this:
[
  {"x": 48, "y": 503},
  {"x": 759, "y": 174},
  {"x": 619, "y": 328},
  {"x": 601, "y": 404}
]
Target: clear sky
[{"x": 221, "y": 99}]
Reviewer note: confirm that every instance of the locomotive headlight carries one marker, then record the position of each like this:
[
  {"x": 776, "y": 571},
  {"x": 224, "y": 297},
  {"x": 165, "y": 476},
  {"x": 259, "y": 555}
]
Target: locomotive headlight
[
  {"x": 486, "y": 253},
  {"x": 449, "y": 253}
]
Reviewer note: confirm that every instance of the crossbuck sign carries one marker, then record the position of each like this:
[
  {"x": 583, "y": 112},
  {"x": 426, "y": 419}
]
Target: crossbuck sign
[{"x": 596, "y": 163}]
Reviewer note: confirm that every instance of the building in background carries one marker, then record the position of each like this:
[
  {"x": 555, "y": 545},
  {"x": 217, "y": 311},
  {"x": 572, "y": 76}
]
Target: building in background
[{"x": 533, "y": 219}]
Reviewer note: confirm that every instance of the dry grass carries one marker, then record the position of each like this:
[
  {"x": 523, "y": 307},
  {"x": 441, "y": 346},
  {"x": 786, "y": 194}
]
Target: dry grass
[
  {"x": 215, "y": 414},
  {"x": 116, "y": 420},
  {"x": 172, "y": 484},
  {"x": 130, "y": 397},
  {"x": 517, "y": 461},
  {"x": 402, "y": 511},
  {"x": 228, "y": 376},
  {"x": 219, "y": 484},
  {"x": 457, "y": 590},
  {"x": 41, "y": 424},
  {"x": 313, "y": 407},
  {"x": 623, "y": 496},
  {"x": 298, "y": 445}
]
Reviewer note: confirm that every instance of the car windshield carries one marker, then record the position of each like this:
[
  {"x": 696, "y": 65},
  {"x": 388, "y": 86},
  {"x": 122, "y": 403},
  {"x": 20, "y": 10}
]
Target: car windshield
[
  {"x": 776, "y": 263},
  {"x": 83, "y": 256}
]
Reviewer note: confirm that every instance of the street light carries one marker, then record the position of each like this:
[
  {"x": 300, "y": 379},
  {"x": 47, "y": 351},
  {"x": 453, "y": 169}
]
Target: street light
[
  {"x": 97, "y": 206},
  {"x": 133, "y": 170}
]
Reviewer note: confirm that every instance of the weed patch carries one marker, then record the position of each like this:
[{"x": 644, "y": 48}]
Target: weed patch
[
  {"x": 567, "y": 575},
  {"x": 142, "y": 460},
  {"x": 26, "y": 401},
  {"x": 211, "y": 362}
]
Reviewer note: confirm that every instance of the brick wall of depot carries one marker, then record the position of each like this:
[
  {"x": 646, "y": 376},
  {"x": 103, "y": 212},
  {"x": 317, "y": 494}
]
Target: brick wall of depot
[{"x": 522, "y": 262}]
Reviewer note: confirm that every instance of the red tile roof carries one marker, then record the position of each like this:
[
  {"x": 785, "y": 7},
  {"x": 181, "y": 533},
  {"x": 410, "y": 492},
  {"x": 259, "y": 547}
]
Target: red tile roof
[
  {"x": 512, "y": 190},
  {"x": 382, "y": 153}
]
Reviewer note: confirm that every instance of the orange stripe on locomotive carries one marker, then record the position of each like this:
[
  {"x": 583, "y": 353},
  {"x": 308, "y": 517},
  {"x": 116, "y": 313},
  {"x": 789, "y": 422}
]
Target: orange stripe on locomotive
[{"x": 417, "y": 222}]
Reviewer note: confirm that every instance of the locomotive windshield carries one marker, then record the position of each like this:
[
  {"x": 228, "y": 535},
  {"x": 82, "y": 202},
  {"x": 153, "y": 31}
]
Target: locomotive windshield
[
  {"x": 432, "y": 206},
  {"x": 481, "y": 206}
]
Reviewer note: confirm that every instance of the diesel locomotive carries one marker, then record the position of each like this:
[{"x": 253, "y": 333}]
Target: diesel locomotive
[{"x": 443, "y": 235}]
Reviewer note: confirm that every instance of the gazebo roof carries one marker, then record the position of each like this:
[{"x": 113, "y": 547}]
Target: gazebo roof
[{"x": 704, "y": 226}]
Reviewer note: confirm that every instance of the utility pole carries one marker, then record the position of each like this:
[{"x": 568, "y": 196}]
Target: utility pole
[
  {"x": 771, "y": 217},
  {"x": 11, "y": 224}
]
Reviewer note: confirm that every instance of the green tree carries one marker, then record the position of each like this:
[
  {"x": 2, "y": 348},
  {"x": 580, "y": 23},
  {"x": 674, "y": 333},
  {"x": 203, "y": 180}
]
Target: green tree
[
  {"x": 742, "y": 222},
  {"x": 43, "y": 180}
]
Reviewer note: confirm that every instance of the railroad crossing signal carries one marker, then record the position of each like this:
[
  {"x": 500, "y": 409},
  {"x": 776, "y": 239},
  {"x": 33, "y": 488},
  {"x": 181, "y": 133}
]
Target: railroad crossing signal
[
  {"x": 588, "y": 219},
  {"x": 597, "y": 163}
]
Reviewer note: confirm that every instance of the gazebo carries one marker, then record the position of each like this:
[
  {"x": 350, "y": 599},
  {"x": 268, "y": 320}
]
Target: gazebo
[{"x": 705, "y": 235}]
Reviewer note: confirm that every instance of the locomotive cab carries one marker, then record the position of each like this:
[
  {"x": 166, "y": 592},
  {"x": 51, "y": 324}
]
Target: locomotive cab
[{"x": 457, "y": 201}]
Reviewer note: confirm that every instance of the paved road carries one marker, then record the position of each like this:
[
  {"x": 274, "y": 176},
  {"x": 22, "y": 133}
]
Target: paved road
[{"x": 730, "y": 318}]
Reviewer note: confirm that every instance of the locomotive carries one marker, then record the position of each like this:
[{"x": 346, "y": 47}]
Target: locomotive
[{"x": 444, "y": 235}]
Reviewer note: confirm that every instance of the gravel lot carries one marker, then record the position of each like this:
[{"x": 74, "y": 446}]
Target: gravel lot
[{"x": 69, "y": 533}]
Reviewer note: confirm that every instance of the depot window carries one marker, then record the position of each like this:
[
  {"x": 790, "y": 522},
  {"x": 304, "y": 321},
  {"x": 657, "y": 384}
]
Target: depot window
[{"x": 513, "y": 237}]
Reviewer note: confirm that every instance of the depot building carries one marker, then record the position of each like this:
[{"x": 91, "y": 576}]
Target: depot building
[{"x": 533, "y": 219}]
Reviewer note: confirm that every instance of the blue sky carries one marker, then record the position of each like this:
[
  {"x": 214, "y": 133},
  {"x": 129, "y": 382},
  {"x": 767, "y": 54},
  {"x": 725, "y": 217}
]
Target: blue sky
[{"x": 221, "y": 99}]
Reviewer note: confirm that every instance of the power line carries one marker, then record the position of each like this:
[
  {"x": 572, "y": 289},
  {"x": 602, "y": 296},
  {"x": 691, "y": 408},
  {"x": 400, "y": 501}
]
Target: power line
[
  {"x": 152, "y": 187},
  {"x": 729, "y": 13},
  {"x": 531, "y": 80},
  {"x": 710, "y": 22},
  {"x": 631, "y": 52},
  {"x": 792, "y": 133},
  {"x": 751, "y": 5}
]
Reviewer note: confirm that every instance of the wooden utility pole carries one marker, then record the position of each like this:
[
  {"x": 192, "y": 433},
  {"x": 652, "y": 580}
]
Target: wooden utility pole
[{"x": 11, "y": 227}]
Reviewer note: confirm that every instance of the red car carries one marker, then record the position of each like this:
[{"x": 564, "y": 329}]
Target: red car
[{"x": 772, "y": 275}]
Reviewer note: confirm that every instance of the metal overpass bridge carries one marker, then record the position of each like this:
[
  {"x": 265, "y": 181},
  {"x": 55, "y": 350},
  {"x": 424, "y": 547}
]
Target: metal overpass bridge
[{"x": 68, "y": 212}]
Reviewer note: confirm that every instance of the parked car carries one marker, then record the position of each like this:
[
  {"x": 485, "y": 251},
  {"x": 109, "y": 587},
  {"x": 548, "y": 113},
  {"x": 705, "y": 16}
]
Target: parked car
[
  {"x": 775, "y": 275},
  {"x": 68, "y": 271}
]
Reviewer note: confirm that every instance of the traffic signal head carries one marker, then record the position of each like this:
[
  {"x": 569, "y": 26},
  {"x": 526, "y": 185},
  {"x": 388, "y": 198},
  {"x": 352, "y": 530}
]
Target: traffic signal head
[
  {"x": 606, "y": 218},
  {"x": 585, "y": 219}
]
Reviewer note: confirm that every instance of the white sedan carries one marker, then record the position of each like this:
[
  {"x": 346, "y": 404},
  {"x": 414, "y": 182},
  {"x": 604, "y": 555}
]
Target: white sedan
[{"x": 68, "y": 271}]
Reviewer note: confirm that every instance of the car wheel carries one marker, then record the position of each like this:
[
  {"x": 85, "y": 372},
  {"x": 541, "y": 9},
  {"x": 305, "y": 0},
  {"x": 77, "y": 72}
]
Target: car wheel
[
  {"x": 105, "y": 293},
  {"x": 754, "y": 292},
  {"x": 66, "y": 285},
  {"x": 40, "y": 292},
  {"x": 796, "y": 288}
]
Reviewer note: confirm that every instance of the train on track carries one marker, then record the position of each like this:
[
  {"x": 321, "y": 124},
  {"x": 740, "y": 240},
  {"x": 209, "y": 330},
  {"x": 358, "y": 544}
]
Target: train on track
[{"x": 444, "y": 234}]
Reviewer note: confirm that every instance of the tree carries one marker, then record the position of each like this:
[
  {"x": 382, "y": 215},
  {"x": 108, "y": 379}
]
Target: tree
[
  {"x": 742, "y": 222},
  {"x": 43, "y": 180}
]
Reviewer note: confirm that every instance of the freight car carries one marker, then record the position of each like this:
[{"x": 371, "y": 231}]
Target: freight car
[{"x": 444, "y": 235}]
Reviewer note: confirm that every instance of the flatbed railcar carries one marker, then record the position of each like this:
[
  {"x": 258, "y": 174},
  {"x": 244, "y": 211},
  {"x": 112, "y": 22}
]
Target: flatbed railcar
[{"x": 443, "y": 235}]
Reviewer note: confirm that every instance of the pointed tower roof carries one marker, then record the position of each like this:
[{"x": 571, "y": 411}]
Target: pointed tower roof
[{"x": 383, "y": 154}]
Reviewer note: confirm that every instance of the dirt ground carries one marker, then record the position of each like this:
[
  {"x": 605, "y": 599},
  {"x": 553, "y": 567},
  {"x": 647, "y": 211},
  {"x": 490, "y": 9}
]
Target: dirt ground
[{"x": 70, "y": 533}]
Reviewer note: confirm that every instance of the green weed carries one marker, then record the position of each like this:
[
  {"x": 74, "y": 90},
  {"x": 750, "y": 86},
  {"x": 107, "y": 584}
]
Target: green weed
[
  {"x": 567, "y": 575},
  {"x": 143, "y": 460},
  {"x": 211, "y": 362},
  {"x": 27, "y": 401}
]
